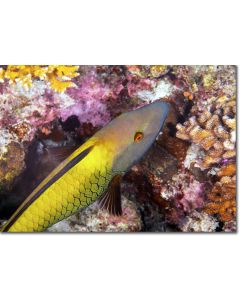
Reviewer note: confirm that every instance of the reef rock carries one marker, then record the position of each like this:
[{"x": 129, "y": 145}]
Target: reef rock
[
  {"x": 93, "y": 219},
  {"x": 199, "y": 222}
]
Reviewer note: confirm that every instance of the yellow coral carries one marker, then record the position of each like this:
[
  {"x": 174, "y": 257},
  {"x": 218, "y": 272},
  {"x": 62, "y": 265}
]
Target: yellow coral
[
  {"x": 2, "y": 74},
  {"x": 208, "y": 80},
  {"x": 158, "y": 70},
  {"x": 59, "y": 77},
  {"x": 58, "y": 85}
]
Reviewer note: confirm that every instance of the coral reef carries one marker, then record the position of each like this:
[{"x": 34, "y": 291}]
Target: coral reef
[
  {"x": 11, "y": 164},
  {"x": 214, "y": 131},
  {"x": 175, "y": 190},
  {"x": 202, "y": 139},
  {"x": 222, "y": 201},
  {"x": 152, "y": 72},
  {"x": 230, "y": 226},
  {"x": 211, "y": 125},
  {"x": 92, "y": 219},
  {"x": 199, "y": 222},
  {"x": 223, "y": 194},
  {"x": 59, "y": 77},
  {"x": 25, "y": 111},
  {"x": 186, "y": 182},
  {"x": 147, "y": 82}
]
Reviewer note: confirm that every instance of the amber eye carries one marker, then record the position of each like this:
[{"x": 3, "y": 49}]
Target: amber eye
[{"x": 138, "y": 136}]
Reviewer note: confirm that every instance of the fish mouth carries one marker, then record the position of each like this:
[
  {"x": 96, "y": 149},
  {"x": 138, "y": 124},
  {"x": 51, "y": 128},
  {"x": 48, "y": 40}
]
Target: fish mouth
[
  {"x": 165, "y": 111},
  {"x": 164, "y": 108},
  {"x": 161, "y": 113}
]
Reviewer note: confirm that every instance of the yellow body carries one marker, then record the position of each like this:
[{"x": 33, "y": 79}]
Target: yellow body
[
  {"x": 76, "y": 189},
  {"x": 85, "y": 175}
]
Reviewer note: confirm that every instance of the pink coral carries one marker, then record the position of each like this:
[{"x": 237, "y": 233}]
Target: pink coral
[
  {"x": 94, "y": 112},
  {"x": 90, "y": 97},
  {"x": 89, "y": 105},
  {"x": 184, "y": 194},
  {"x": 136, "y": 85},
  {"x": 193, "y": 196}
]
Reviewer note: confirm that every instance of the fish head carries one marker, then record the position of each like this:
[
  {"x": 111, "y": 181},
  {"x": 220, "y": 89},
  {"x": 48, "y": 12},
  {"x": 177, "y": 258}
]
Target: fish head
[{"x": 131, "y": 134}]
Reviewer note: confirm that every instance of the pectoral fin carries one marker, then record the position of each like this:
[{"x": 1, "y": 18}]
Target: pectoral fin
[{"x": 111, "y": 199}]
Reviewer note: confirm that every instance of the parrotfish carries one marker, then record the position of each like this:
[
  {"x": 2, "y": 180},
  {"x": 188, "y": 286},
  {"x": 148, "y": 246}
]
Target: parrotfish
[{"x": 92, "y": 172}]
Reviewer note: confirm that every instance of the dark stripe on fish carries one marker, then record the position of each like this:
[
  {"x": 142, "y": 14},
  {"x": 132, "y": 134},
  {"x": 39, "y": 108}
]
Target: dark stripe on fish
[{"x": 65, "y": 169}]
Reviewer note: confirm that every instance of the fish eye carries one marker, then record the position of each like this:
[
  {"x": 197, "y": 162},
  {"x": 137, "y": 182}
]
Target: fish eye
[{"x": 138, "y": 136}]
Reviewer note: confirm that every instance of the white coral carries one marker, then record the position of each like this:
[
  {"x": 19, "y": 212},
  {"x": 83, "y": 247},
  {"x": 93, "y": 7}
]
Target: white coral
[
  {"x": 199, "y": 222},
  {"x": 162, "y": 89}
]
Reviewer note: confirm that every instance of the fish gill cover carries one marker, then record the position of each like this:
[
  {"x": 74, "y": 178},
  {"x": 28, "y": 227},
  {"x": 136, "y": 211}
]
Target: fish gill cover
[{"x": 185, "y": 183}]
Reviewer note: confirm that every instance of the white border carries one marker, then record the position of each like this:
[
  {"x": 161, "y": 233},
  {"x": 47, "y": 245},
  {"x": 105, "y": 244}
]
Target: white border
[{"x": 108, "y": 266}]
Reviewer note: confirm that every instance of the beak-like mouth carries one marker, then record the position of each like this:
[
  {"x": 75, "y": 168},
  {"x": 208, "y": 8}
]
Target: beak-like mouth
[{"x": 162, "y": 110}]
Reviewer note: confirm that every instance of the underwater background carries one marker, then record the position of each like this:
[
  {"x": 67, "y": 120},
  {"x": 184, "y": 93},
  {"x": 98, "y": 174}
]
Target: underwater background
[{"x": 185, "y": 183}]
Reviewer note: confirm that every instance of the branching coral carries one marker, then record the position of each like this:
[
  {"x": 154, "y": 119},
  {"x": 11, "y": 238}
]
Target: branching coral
[
  {"x": 212, "y": 126},
  {"x": 59, "y": 77},
  {"x": 223, "y": 194},
  {"x": 223, "y": 201}
]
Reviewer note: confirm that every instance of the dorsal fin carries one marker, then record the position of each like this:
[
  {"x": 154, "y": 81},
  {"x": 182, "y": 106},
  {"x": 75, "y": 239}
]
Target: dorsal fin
[
  {"x": 57, "y": 173},
  {"x": 111, "y": 199}
]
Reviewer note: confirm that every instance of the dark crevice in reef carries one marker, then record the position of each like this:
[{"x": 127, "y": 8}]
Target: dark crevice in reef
[{"x": 44, "y": 153}]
